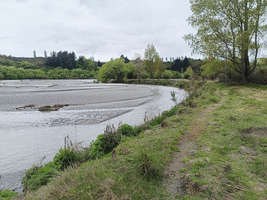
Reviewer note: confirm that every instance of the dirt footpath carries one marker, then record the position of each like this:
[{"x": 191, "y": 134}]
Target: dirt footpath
[{"x": 176, "y": 183}]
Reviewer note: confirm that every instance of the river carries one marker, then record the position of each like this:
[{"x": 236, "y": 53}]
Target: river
[{"x": 29, "y": 136}]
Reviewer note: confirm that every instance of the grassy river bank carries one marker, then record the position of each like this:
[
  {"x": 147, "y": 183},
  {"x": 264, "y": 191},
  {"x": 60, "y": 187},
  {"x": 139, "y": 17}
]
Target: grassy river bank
[{"x": 211, "y": 146}]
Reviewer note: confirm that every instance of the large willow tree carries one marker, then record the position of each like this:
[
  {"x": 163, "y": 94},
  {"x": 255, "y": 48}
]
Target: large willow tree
[{"x": 229, "y": 29}]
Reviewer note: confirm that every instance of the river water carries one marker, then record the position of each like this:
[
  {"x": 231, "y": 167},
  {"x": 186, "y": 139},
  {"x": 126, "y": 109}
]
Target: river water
[{"x": 28, "y": 136}]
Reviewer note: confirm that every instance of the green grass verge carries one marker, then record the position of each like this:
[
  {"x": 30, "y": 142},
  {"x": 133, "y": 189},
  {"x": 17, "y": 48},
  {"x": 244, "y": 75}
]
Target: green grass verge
[{"x": 231, "y": 162}]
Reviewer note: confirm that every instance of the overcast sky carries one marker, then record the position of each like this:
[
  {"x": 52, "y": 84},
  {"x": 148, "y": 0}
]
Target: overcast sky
[{"x": 104, "y": 29}]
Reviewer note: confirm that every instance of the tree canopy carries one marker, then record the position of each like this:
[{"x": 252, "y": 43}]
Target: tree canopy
[
  {"x": 229, "y": 29},
  {"x": 151, "y": 59},
  {"x": 114, "y": 69},
  {"x": 62, "y": 59}
]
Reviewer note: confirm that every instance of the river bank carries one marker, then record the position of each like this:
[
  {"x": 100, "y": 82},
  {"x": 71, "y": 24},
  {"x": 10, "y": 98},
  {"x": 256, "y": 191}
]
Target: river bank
[
  {"x": 227, "y": 160},
  {"x": 29, "y": 136}
]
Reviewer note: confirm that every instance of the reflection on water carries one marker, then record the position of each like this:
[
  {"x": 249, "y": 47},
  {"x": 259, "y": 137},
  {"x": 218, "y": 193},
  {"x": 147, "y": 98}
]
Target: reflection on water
[{"x": 30, "y": 136}]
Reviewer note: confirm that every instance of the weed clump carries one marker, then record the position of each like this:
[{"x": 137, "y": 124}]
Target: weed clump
[
  {"x": 7, "y": 194},
  {"x": 147, "y": 164},
  {"x": 40, "y": 175}
]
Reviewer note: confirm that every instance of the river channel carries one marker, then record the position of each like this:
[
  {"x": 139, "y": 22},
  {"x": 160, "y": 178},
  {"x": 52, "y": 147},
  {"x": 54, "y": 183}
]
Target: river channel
[{"x": 29, "y": 136}]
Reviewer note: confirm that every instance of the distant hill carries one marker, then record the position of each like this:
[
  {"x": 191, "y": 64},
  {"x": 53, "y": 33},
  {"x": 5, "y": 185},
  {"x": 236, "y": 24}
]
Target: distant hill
[{"x": 40, "y": 61}]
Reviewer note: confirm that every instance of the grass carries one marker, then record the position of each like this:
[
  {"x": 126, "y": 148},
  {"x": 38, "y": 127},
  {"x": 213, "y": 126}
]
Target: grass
[
  {"x": 235, "y": 164},
  {"x": 230, "y": 161}
]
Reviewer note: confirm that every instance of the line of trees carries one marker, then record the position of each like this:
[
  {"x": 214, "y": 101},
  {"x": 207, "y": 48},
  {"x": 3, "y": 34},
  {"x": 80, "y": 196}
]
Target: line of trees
[
  {"x": 62, "y": 59},
  {"x": 180, "y": 64}
]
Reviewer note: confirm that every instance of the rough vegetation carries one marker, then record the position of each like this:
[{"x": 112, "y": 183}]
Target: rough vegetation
[{"x": 7, "y": 194}]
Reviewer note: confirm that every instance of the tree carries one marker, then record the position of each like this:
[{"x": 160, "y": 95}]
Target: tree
[
  {"x": 34, "y": 54},
  {"x": 62, "y": 59},
  {"x": 114, "y": 69},
  {"x": 125, "y": 58},
  {"x": 45, "y": 54},
  {"x": 160, "y": 67},
  {"x": 150, "y": 58},
  {"x": 229, "y": 29},
  {"x": 86, "y": 64},
  {"x": 177, "y": 65},
  {"x": 139, "y": 65},
  {"x": 185, "y": 63}
]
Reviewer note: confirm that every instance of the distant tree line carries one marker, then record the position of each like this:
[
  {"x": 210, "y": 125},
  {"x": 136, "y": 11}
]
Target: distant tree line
[
  {"x": 180, "y": 64},
  {"x": 61, "y": 59}
]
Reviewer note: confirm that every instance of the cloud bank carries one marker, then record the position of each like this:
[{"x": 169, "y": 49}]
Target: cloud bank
[{"x": 101, "y": 28}]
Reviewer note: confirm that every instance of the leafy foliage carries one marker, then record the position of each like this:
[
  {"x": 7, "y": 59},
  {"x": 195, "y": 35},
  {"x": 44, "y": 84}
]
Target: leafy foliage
[
  {"x": 151, "y": 58},
  {"x": 167, "y": 74},
  {"x": 39, "y": 175},
  {"x": 114, "y": 69},
  {"x": 232, "y": 30},
  {"x": 125, "y": 129},
  {"x": 7, "y": 194},
  {"x": 186, "y": 75}
]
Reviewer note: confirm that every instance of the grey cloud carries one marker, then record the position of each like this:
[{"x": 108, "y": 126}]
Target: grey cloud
[{"x": 101, "y": 27}]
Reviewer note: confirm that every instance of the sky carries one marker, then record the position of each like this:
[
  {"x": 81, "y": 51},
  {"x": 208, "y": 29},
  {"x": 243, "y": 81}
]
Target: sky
[{"x": 103, "y": 29}]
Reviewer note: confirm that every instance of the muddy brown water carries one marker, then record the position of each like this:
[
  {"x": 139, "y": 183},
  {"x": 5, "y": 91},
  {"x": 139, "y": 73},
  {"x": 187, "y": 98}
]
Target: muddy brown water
[{"x": 28, "y": 136}]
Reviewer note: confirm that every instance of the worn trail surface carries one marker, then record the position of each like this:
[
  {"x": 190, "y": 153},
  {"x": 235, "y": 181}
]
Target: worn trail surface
[{"x": 176, "y": 183}]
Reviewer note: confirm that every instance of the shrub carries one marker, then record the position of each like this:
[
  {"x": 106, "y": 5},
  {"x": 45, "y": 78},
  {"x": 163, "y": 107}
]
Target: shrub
[
  {"x": 156, "y": 121},
  {"x": 7, "y": 194},
  {"x": 167, "y": 74},
  {"x": 65, "y": 158},
  {"x": 144, "y": 74},
  {"x": 137, "y": 130},
  {"x": 259, "y": 77},
  {"x": 2, "y": 76},
  {"x": 114, "y": 69},
  {"x": 186, "y": 75},
  {"x": 125, "y": 129},
  {"x": 38, "y": 176},
  {"x": 104, "y": 144},
  {"x": 171, "y": 112},
  {"x": 39, "y": 74},
  {"x": 176, "y": 74}
]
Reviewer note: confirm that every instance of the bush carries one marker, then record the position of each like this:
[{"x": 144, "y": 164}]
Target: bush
[
  {"x": 38, "y": 176},
  {"x": 144, "y": 74},
  {"x": 114, "y": 69},
  {"x": 176, "y": 74},
  {"x": 7, "y": 194},
  {"x": 170, "y": 113},
  {"x": 137, "y": 130},
  {"x": 186, "y": 75},
  {"x": 104, "y": 144},
  {"x": 156, "y": 121},
  {"x": 65, "y": 158},
  {"x": 2, "y": 76},
  {"x": 167, "y": 74},
  {"x": 259, "y": 77},
  {"x": 125, "y": 129}
]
